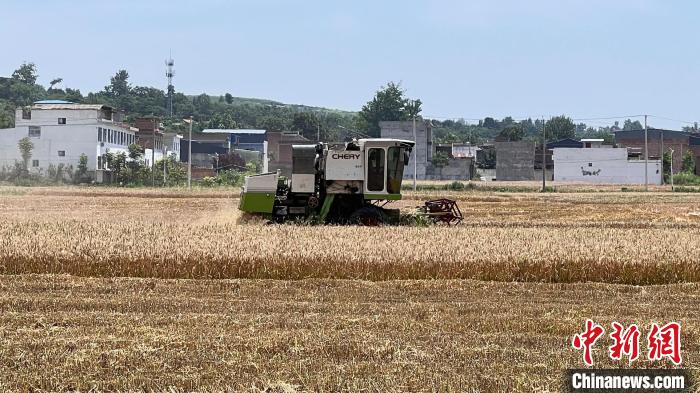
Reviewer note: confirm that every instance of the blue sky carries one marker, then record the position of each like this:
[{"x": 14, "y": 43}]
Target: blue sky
[{"x": 470, "y": 59}]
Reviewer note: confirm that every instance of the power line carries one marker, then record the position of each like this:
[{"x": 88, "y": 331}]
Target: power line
[
  {"x": 669, "y": 119},
  {"x": 608, "y": 118}
]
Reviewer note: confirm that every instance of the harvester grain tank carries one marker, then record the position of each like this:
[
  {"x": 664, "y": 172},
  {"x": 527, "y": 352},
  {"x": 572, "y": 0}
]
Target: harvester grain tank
[{"x": 347, "y": 183}]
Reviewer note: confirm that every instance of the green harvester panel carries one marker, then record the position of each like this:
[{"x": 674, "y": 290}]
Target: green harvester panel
[
  {"x": 257, "y": 202},
  {"x": 386, "y": 197}
]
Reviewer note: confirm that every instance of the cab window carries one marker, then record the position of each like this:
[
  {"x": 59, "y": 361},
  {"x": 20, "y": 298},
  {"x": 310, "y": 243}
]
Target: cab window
[
  {"x": 394, "y": 170},
  {"x": 375, "y": 170}
]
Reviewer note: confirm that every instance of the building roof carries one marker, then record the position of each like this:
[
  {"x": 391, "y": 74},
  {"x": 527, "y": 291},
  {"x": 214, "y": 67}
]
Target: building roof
[
  {"x": 41, "y": 106},
  {"x": 652, "y": 133},
  {"x": 566, "y": 142},
  {"x": 234, "y": 131},
  {"x": 53, "y": 102}
]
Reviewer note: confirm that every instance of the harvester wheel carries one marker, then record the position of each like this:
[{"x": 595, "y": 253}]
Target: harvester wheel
[
  {"x": 313, "y": 201},
  {"x": 368, "y": 216}
]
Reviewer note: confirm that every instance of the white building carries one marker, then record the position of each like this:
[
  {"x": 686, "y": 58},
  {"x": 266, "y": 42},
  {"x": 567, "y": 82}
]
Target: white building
[
  {"x": 464, "y": 150},
  {"x": 422, "y": 153},
  {"x": 601, "y": 165},
  {"x": 171, "y": 144},
  {"x": 62, "y": 131}
]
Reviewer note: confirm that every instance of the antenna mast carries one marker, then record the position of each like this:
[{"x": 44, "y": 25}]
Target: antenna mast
[{"x": 169, "y": 73}]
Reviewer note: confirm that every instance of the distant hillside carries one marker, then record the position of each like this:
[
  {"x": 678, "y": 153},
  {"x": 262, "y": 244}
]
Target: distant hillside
[{"x": 240, "y": 101}]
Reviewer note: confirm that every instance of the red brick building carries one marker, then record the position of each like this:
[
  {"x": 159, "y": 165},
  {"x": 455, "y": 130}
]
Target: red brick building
[{"x": 661, "y": 140}]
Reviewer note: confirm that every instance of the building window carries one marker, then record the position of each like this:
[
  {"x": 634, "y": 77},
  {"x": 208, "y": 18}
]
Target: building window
[
  {"x": 109, "y": 132},
  {"x": 35, "y": 163},
  {"x": 99, "y": 162},
  {"x": 99, "y": 134},
  {"x": 61, "y": 120},
  {"x": 61, "y": 153},
  {"x": 590, "y": 164},
  {"x": 26, "y": 114},
  {"x": 34, "y": 132}
]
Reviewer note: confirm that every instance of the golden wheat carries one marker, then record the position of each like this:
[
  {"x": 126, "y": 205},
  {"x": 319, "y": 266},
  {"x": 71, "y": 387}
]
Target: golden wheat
[{"x": 615, "y": 238}]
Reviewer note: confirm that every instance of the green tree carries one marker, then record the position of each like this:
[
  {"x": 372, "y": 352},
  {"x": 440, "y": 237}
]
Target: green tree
[
  {"x": 25, "y": 150},
  {"x": 202, "y": 104},
  {"x": 560, "y": 127},
  {"x": 667, "y": 164},
  {"x": 632, "y": 125},
  {"x": 271, "y": 123},
  {"x": 135, "y": 152},
  {"x": 119, "y": 166},
  {"x": 7, "y": 114},
  {"x": 388, "y": 104},
  {"x": 229, "y": 98},
  {"x": 21, "y": 89},
  {"x": 440, "y": 159},
  {"x": 307, "y": 123},
  {"x": 119, "y": 85},
  {"x": 513, "y": 133},
  {"x": 222, "y": 120},
  {"x": 490, "y": 122},
  {"x": 81, "y": 172},
  {"x": 55, "y": 82},
  {"x": 26, "y": 73},
  {"x": 688, "y": 165},
  {"x": 73, "y": 95}
]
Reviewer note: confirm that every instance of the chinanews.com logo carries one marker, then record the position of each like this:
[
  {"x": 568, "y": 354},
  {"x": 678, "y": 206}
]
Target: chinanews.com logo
[{"x": 662, "y": 345}]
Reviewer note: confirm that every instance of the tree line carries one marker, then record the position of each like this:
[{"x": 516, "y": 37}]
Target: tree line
[{"x": 228, "y": 112}]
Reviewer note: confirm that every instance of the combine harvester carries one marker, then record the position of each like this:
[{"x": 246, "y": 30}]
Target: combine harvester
[{"x": 349, "y": 184}]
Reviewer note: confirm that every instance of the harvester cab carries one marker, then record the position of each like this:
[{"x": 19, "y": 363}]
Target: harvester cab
[{"x": 338, "y": 183}]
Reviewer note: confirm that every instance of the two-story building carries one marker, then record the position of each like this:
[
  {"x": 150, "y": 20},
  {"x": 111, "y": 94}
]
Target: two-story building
[{"x": 62, "y": 131}]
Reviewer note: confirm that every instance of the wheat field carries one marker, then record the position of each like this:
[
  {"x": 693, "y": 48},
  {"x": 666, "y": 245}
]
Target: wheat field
[
  {"x": 170, "y": 290},
  {"x": 614, "y": 238}
]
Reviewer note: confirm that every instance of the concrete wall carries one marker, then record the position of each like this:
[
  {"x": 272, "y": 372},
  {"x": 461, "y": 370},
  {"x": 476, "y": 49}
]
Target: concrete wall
[
  {"x": 602, "y": 166},
  {"x": 515, "y": 161},
  {"x": 422, "y": 152},
  {"x": 456, "y": 169}
]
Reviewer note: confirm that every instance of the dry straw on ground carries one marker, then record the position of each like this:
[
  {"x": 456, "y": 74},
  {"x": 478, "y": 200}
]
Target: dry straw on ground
[{"x": 61, "y": 333}]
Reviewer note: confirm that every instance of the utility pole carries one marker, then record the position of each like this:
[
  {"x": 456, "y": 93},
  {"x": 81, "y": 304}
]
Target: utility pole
[
  {"x": 153, "y": 154},
  {"x": 646, "y": 155},
  {"x": 544, "y": 156},
  {"x": 165, "y": 166},
  {"x": 662, "y": 157},
  {"x": 671, "y": 175},
  {"x": 189, "y": 158},
  {"x": 318, "y": 132},
  {"x": 415, "y": 161}
]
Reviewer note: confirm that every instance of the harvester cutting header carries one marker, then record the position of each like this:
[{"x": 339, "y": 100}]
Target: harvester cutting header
[{"x": 346, "y": 183}]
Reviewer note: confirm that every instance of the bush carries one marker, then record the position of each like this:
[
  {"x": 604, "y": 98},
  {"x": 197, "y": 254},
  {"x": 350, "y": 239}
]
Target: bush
[
  {"x": 686, "y": 178},
  {"x": 456, "y": 186},
  {"x": 440, "y": 159}
]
